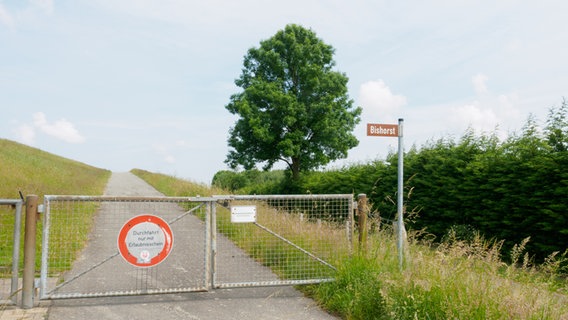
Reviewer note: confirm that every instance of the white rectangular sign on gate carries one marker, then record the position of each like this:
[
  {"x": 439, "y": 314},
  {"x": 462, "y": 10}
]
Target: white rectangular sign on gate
[{"x": 243, "y": 214}]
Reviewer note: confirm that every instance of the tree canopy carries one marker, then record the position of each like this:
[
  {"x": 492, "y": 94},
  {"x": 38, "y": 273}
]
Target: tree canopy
[{"x": 293, "y": 107}]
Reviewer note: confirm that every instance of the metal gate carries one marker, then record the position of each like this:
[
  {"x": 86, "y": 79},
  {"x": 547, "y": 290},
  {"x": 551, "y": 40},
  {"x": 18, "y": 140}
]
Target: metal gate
[
  {"x": 284, "y": 240},
  {"x": 291, "y": 240},
  {"x": 10, "y": 248}
]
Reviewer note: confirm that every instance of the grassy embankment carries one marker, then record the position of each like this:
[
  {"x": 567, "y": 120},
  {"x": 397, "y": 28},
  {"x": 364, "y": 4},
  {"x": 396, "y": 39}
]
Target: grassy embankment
[
  {"x": 455, "y": 280},
  {"x": 174, "y": 187},
  {"x": 33, "y": 171}
]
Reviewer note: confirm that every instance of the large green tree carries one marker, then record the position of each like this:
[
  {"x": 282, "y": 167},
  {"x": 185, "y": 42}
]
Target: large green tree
[{"x": 293, "y": 106}]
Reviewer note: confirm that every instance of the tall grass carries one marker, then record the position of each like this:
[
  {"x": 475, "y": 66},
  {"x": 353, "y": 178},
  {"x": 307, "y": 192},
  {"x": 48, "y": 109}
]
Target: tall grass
[{"x": 453, "y": 280}]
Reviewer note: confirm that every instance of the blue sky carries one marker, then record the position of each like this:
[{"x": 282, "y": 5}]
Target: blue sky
[{"x": 122, "y": 84}]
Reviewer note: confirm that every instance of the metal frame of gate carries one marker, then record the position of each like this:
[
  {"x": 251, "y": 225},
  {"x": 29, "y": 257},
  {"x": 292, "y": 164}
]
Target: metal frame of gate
[
  {"x": 66, "y": 269},
  {"x": 14, "y": 285},
  {"x": 229, "y": 254},
  {"x": 299, "y": 237}
]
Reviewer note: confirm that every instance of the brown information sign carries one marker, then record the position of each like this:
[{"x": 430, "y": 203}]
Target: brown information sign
[{"x": 382, "y": 130}]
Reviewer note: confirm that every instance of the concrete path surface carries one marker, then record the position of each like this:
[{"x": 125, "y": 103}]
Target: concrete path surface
[{"x": 241, "y": 303}]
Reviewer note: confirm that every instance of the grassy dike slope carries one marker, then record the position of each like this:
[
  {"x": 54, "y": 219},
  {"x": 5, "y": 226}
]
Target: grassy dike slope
[
  {"x": 452, "y": 280},
  {"x": 32, "y": 171},
  {"x": 175, "y": 187}
]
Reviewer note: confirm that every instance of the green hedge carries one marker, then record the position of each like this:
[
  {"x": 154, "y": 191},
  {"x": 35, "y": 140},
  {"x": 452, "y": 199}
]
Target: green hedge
[{"x": 507, "y": 190}]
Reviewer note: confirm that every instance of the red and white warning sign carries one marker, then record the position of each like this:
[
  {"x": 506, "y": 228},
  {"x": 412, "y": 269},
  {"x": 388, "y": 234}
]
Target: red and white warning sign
[{"x": 145, "y": 240}]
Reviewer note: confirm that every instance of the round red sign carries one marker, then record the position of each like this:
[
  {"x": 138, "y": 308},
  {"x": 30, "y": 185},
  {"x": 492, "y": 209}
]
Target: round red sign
[{"x": 145, "y": 240}]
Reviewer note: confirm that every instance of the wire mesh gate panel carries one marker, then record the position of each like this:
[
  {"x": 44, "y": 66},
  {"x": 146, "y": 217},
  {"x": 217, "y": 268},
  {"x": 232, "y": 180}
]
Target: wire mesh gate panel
[
  {"x": 10, "y": 223},
  {"x": 285, "y": 240},
  {"x": 80, "y": 256}
]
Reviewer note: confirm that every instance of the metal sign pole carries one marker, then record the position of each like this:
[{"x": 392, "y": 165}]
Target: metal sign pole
[
  {"x": 400, "y": 206},
  {"x": 392, "y": 130}
]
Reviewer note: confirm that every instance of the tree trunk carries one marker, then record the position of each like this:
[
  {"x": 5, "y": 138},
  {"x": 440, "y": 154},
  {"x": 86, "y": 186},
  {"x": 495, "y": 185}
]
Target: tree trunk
[{"x": 295, "y": 168}]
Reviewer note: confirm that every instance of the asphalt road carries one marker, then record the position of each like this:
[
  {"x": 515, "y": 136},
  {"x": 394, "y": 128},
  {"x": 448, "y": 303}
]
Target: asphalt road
[{"x": 242, "y": 303}]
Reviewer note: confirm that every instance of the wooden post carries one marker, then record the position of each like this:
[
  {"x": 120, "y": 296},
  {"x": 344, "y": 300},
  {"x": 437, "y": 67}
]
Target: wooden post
[
  {"x": 29, "y": 252},
  {"x": 362, "y": 212}
]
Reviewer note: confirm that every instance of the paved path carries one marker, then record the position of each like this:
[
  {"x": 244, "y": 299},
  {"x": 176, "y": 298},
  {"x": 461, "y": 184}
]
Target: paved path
[{"x": 243, "y": 303}]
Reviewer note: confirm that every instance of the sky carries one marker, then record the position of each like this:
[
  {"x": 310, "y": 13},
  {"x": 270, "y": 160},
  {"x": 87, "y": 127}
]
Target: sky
[{"x": 123, "y": 84}]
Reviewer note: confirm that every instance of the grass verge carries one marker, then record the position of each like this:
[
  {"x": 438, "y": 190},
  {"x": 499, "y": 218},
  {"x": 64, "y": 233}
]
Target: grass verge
[{"x": 455, "y": 280}]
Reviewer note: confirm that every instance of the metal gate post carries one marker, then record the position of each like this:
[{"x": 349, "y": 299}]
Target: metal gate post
[
  {"x": 207, "y": 253},
  {"x": 351, "y": 224},
  {"x": 363, "y": 231},
  {"x": 29, "y": 252},
  {"x": 16, "y": 252},
  {"x": 213, "y": 253}
]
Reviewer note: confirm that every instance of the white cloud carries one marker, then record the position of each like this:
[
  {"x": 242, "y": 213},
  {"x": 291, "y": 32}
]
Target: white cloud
[
  {"x": 45, "y": 5},
  {"x": 497, "y": 114},
  {"x": 60, "y": 129},
  {"x": 479, "y": 118},
  {"x": 181, "y": 143},
  {"x": 5, "y": 17},
  {"x": 31, "y": 11},
  {"x": 488, "y": 113},
  {"x": 508, "y": 107},
  {"x": 166, "y": 150},
  {"x": 479, "y": 83},
  {"x": 25, "y": 134},
  {"x": 378, "y": 101}
]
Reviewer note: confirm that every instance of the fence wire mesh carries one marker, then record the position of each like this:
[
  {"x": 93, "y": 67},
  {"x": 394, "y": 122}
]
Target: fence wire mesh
[
  {"x": 10, "y": 239},
  {"x": 292, "y": 240},
  {"x": 80, "y": 256}
]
